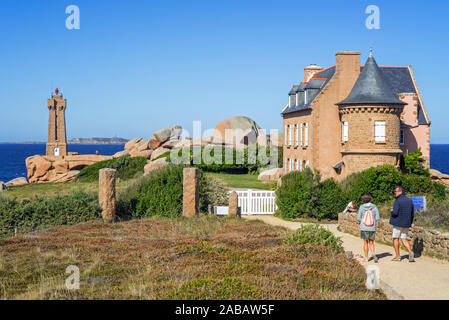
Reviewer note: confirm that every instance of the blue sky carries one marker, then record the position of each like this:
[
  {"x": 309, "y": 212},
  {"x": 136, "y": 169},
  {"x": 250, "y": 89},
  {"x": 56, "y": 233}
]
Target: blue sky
[{"x": 137, "y": 66}]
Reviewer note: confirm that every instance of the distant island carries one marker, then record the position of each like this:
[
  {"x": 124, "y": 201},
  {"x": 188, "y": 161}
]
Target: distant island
[
  {"x": 97, "y": 141},
  {"x": 80, "y": 141}
]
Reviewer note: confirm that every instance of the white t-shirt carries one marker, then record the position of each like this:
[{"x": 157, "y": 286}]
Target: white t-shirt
[{"x": 349, "y": 206}]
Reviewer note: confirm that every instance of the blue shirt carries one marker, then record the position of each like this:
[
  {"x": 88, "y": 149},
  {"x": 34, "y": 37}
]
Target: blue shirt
[{"x": 403, "y": 212}]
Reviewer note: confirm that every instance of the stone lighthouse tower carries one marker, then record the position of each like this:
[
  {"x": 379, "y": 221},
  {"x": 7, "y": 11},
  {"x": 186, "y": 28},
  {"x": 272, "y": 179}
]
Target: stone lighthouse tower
[
  {"x": 370, "y": 121},
  {"x": 57, "y": 139}
]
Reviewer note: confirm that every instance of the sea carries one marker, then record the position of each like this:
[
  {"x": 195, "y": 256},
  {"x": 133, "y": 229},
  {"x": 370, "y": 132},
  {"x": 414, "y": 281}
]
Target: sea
[{"x": 12, "y": 156}]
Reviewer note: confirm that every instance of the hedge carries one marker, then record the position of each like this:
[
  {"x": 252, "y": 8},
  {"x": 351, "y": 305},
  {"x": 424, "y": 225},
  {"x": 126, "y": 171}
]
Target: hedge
[
  {"x": 302, "y": 194},
  {"x": 213, "y": 158},
  {"x": 40, "y": 213},
  {"x": 160, "y": 194},
  {"x": 126, "y": 167}
]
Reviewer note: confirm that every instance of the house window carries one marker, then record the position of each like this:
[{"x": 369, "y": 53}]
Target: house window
[
  {"x": 300, "y": 165},
  {"x": 306, "y": 135},
  {"x": 297, "y": 134},
  {"x": 285, "y": 166},
  {"x": 379, "y": 131},
  {"x": 300, "y": 141},
  {"x": 307, "y": 164},
  {"x": 291, "y": 135},
  {"x": 345, "y": 131},
  {"x": 286, "y": 133},
  {"x": 402, "y": 138}
]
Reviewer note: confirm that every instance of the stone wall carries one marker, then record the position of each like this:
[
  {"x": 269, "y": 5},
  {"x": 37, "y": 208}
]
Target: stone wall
[{"x": 423, "y": 241}]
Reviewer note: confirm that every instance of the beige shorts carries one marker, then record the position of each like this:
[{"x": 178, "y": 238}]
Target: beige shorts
[{"x": 400, "y": 233}]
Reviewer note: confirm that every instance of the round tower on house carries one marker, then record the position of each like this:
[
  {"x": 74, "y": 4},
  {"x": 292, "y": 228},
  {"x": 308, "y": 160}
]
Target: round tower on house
[
  {"x": 370, "y": 122},
  {"x": 57, "y": 139}
]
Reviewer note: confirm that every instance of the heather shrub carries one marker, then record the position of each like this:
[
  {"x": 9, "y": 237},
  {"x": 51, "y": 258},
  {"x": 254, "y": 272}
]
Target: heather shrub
[{"x": 315, "y": 235}]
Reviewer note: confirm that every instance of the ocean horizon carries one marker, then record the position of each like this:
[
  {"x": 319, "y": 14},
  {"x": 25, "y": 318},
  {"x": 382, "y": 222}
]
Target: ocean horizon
[{"x": 12, "y": 159}]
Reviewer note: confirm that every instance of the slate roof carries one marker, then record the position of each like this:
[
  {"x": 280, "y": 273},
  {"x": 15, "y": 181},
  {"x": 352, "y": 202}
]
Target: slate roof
[
  {"x": 399, "y": 80},
  {"x": 371, "y": 87}
]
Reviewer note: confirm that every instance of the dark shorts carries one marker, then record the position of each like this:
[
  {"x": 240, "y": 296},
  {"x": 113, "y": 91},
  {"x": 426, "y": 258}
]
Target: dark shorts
[{"x": 368, "y": 235}]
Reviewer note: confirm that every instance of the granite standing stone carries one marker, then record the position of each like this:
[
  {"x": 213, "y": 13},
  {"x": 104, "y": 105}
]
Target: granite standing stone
[
  {"x": 233, "y": 204},
  {"x": 106, "y": 194},
  {"x": 190, "y": 196}
]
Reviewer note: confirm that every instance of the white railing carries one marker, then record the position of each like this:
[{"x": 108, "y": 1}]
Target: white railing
[{"x": 253, "y": 201}]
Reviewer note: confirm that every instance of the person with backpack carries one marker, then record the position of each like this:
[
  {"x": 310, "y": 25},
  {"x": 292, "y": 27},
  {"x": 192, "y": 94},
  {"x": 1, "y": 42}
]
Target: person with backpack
[{"x": 368, "y": 216}]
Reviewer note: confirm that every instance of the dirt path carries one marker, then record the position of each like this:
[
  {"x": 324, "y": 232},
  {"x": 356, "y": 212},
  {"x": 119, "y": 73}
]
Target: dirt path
[{"x": 425, "y": 279}]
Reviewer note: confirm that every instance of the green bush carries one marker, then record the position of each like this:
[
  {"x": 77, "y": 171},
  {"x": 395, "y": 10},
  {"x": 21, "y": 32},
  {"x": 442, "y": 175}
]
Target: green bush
[
  {"x": 126, "y": 167},
  {"x": 214, "y": 158},
  {"x": 414, "y": 163},
  {"x": 381, "y": 182},
  {"x": 423, "y": 185},
  {"x": 297, "y": 195},
  {"x": 378, "y": 181},
  {"x": 28, "y": 216},
  {"x": 331, "y": 200},
  {"x": 315, "y": 235},
  {"x": 160, "y": 193}
]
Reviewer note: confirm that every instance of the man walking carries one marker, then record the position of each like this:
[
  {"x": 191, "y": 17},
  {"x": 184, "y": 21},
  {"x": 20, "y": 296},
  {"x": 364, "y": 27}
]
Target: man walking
[{"x": 401, "y": 219}]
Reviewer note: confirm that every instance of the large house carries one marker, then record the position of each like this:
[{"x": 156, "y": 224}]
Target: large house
[{"x": 348, "y": 117}]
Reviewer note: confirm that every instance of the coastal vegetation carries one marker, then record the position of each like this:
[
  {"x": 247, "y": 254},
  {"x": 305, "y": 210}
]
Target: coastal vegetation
[
  {"x": 304, "y": 195},
  {"x": 160, "y": 193},
  {"x": 24, "y": 216},
  {"x": 221, "y": 159},
  {"x": 127, "y": 168},
  {"x": 177, "y": 258}
]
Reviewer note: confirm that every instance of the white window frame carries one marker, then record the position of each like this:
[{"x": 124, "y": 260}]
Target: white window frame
[
  {"x": 297, "y": 99},
  {"x": 297, "y": 134},
  {"x": 380, "y": 126},
  {"x": 345, "y": 131},
  {"x": 300, "y": 141},
  {"x": 402, "y": 137},
  {"x": 307, "y": 163},
  {"x": 286, "y": 134},
  {"x": 300, "y": 165},
  {"x": 285, "y": 166},
  {"x": 291, "y": 135},
  {"x": 306, "y": 138}
]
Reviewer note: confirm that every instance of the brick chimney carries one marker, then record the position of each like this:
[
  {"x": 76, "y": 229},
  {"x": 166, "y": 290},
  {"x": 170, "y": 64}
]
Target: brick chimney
[
  {"x": 310, "y": 71},
  {"x": 347, "y": 69}
]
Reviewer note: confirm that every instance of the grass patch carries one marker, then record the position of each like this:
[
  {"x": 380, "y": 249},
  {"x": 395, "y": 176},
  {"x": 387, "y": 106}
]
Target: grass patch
[
  {"x": 158, "y": 258},
  {"x": 244, "y": 181}
]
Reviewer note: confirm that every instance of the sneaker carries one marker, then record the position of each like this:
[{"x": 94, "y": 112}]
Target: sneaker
[
  {"x": 396, "y": 259},
  {"x": 411, "y": 257}
]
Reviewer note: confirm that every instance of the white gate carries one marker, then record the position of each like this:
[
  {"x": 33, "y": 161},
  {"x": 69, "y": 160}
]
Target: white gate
[{"x": 253, "y": 201}]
